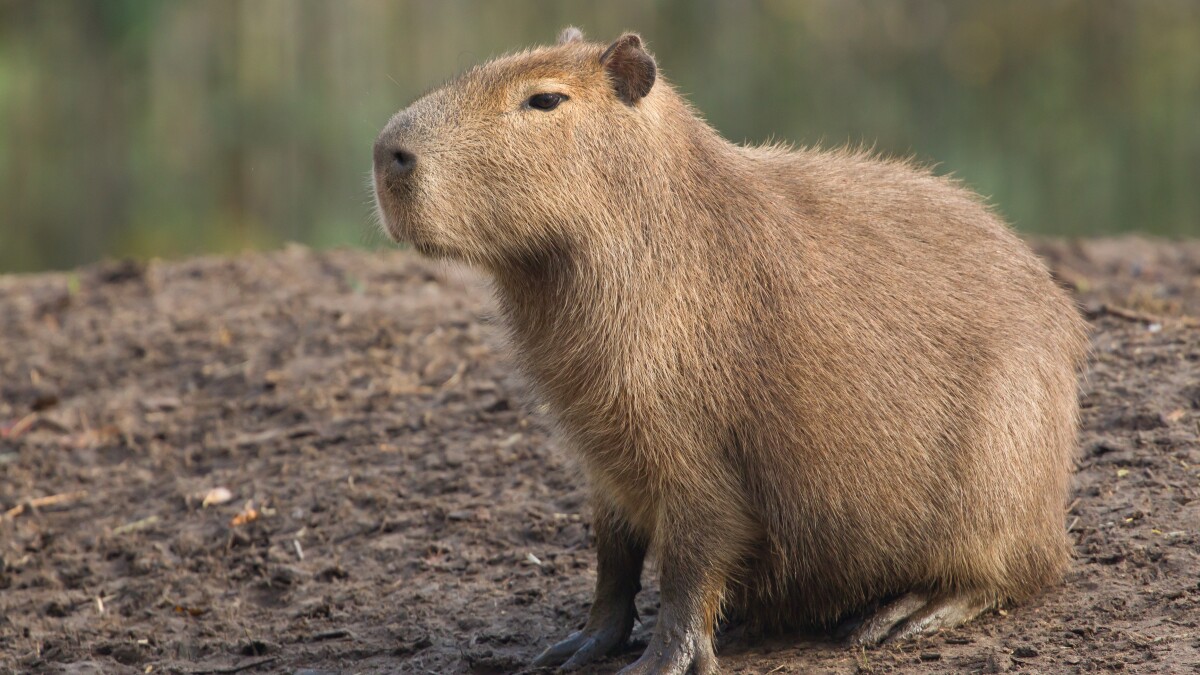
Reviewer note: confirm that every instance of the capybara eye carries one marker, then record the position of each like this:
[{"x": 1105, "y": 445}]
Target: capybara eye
[{"x": 546, "y": 101}]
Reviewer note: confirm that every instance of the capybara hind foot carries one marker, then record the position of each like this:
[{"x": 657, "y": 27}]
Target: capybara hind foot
[
  {"x": 916, "y": 614},
  {"x": 940, "y": 612}
]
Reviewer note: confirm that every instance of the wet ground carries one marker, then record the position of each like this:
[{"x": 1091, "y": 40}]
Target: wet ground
[{"x": 298, "y": 460}]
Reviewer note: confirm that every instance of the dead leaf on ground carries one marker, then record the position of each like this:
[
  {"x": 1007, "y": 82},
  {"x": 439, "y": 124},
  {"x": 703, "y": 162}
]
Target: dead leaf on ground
[
  {"x": 93, "y": 438},
  {"x": 160, "y": 403},
  {"x": 215, "y": 496},
  {"x": 248, "y": 514}
]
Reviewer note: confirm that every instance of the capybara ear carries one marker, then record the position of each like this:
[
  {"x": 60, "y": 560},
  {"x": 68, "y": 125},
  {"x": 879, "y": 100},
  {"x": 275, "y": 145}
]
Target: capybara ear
[
  {"x": 631, "y": 68},
  {"x": 570, "y": 34}
]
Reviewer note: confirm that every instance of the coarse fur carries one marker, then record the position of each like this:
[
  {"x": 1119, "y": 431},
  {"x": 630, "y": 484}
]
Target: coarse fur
[{"x": 810, "y": 381}]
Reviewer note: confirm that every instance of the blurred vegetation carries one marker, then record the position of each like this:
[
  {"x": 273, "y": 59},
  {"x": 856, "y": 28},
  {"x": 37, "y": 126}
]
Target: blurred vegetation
[{"x": 143, "y": 127}]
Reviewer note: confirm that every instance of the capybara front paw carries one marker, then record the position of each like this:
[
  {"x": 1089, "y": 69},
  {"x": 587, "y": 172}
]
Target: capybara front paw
[
  {"x": 585, "y": 646},
  {"x": 688, "y": 653}
]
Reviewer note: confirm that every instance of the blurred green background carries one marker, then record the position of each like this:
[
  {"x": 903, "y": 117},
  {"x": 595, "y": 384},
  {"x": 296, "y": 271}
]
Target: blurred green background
[{"x": 165, "y": 128}]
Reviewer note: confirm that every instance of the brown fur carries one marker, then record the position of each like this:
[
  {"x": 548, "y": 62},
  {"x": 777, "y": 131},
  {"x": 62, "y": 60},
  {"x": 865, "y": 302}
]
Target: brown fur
[{"x": 809, "y": 380}]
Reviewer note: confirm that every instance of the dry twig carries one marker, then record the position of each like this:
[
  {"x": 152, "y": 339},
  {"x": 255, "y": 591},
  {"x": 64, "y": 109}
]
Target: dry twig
[
  {"x": 135, "y": 525},
  {"x": 20, "y": 426},
  {"x": 1143, "y": 317},
  {"x": 40, "y": 502},
  {"x": 235, "y": 669}
]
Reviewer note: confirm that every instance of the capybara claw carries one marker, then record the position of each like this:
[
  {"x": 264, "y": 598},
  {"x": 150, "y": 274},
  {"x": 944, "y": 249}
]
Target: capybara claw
[
  {"x": 676, "y": 653},
  {"x": 915, "y": 614},
  {"x": 559, "y": 652},
  {"x": 581, "y": 648}
]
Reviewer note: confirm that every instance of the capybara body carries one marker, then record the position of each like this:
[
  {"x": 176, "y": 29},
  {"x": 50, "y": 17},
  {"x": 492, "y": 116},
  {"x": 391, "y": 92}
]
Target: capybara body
[{"x": 815, "y": 385}]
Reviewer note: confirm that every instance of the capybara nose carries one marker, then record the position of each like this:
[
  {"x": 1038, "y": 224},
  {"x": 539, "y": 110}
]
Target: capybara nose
[
  {"x": 403, "y": 161},
  {"x": 393, "y": 160}
]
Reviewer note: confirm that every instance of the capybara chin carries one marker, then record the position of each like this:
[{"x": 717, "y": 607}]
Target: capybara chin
[{"x": 822, "y": 388}]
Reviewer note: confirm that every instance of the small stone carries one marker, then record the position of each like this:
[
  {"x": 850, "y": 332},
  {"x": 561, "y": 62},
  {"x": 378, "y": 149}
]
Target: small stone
[{"x": 997, "y": 663}]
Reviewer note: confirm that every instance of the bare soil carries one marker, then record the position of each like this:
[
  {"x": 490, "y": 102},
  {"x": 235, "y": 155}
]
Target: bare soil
[{"x": 397, "y": 504}]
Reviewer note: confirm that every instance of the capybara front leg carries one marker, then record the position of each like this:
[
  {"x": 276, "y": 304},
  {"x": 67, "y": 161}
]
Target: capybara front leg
[
  {"x": 619, "y": 554},
  {"x": 696, "y": 551}
]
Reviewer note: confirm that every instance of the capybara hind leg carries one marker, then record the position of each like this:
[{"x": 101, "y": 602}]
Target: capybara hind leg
[
  {"x": 878, "y": 625},
  {"x": 619, "y": 554},
  {"x": 945, "y": 611}
]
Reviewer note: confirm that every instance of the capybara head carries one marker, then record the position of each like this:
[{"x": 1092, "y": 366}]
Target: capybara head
[{"x": 491, "y": 167}]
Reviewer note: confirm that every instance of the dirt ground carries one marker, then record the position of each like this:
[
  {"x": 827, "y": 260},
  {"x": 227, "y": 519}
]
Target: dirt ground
[{"x": 395, "y": 503}]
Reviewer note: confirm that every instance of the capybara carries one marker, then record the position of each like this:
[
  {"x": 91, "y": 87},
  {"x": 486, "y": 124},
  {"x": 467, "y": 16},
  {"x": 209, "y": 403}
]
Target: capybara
[{"x": 821, "y": 388}]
